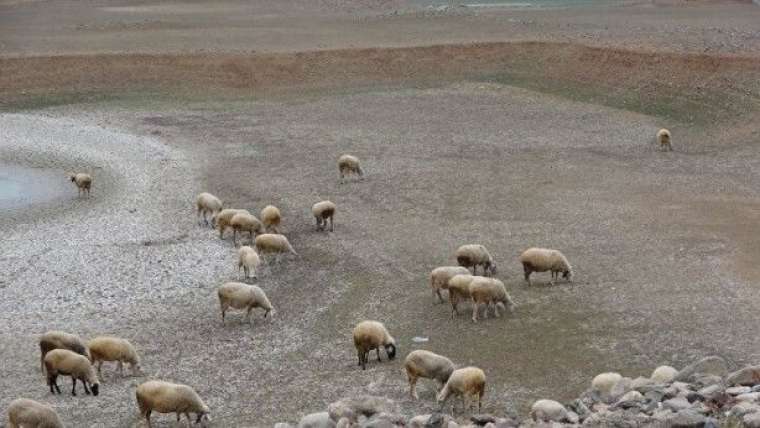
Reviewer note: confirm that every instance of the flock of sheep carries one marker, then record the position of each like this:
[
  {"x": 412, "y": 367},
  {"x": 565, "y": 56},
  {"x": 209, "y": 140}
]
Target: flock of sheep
[{"x": 67, "y": 354}]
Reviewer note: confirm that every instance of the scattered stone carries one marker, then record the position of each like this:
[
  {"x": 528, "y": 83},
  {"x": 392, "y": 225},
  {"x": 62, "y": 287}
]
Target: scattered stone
[
  {"x": 580, "y": 409},
  {"x": 712, "y": 365},
  {"x": 707, "y": 380},
  {"x": 743, "y": 408},
  {"x": 736, "y": 390},
  {"x": 641, "y": 382},
  {"x": 750, "y": 396},
  {"x": 384, "y": 420},
  {"x": 747, "y": 376},
  {"x": 751, "y": 420},
  {"x": 664, "y": 374},
  {"x": 709, "y": 390},
  {"x": 354, "y": 407},
  {"x": 686, "y": 419},
  {"x": 283, "y": 425},
  {"x": 482, "y": 419},
  {"x": 676, "y": 404}
]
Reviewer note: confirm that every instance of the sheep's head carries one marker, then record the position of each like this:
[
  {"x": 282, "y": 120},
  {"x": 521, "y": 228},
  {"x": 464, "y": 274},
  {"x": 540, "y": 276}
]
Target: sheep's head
[
  {"x": 491, "y": 267},
  {"x": 203, "y": 418},
  {"x": 390, "y": 349},
  {"x": 567, "y": 274},
  {"x": 72, "y": 177},
  {"x": 95, "y": 389}
]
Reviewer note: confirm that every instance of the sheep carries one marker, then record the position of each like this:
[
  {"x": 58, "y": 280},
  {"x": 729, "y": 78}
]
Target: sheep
[
  {"x": 323, "y": 211},
  {"x": 224, "y": 217},
  {"x": 548, "y": 410},
  {"x": 348, "y": 164},
  {"x": 369, "y": 335},
  {"x": 440, "y": 276},
  {"x": 26, "y": 413},
  {"x": 272, "y": 243},
  {"x": 107, "y": 348},
  {"x": 166, "y": 397},
  {"x": 474, "y": 255},
  {"x": 663, "y": 137},
  {"x": 487, "y": 291},
  {"x": 243, "y": 296},
  {"x": 468, "y": 381},
  {"x": 421, "y": 363},
  {"x": 459, "y": 289},
  {"x": 543, "y": 259},
  {"x": 83, "y": 182},
  {"x": 206, "y": 203},
  {"x": 244, "y": 222},
  {"x": 68, "y": 363},
  {"x": 248, "y": 260},
  {"x": 604, "y": 383},
  {"x": 61, "y": 340},
  {"x": 664, "y": 374},
  {"x": 271, "y": 218}
]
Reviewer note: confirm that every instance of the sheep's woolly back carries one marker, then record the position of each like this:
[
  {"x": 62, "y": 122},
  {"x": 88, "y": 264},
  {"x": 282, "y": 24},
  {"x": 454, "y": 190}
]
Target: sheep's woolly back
[
  {"x": 440, "y": 276},
  {"x": 465, "y": 380},
  {"x": 270, "y": 216},
  {"x": 604, "y": 382},
  {"x": 208, "y": 202},
  {"x": 108, "y": 348},
  {"x": 485, "y": 290},
  {"x": 273, "y": 243},
  {"x": 245, "y": 221},
  {"x": 61, "y": 340},
  {"x": 460, "y": 285},
  {"x": 371, "y": 334},
  {"x": 543, "y": 259},
  {"x": 71, "y": 364},
  {"x": 664, "y": 374},
  {"x": 166, "y": 397},
  {"x": 349, "y": 162},
  {"x": 81, "y": 179},
  {"x": 663, "y": 136},
  {"x": 422, "y": 363},
  {"x": 240, "y": 295},
  {"x": 248, "y": 257},
  {"x": 23, "y": 412},
  {"x": 548, "y": 410},
  {"x": 324, "y": 209}
]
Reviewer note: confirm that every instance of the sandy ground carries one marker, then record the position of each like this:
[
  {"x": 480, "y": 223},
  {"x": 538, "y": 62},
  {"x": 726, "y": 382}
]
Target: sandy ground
[{"x": 662, "y": 243}]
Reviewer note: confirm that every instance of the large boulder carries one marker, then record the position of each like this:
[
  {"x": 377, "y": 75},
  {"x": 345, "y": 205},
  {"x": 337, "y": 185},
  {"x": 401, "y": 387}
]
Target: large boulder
[
  {"x": 748, "y": 376},
  {"x": 712, "y": 365}
]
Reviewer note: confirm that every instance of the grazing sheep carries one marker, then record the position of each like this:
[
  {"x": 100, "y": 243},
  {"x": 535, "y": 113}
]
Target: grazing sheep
[
  {"x": 468, "y": 381},
  {"x": 244, "y": 222},
  {"x": 224, "y": 218},
  {"x": 61, "y": 340},
  {"x": 474, "y": 255},
  {"x": 664, "y": 374},
  {"x": 83, "y": 182},
  {"x": 421, "y": 363},
  {"x": 248, "y": 260},
  {"x": 440, "y": 276},
  {"x": 548, "y": 410},
  {"x": 206, "y": 203},
  {"x": 107, "y": 348},
  {"x": 272, "y": 243},
  {"x": 323, "y": 211},
  {"x": 369, "y": 335},
  {"x": 543, "y": 259},
  {"x": 605, "y": 382},
  {"x": 243, "y": 296},
  {"x": 165, "y": 397},
  {"x": 25, "y": 413},
  {"x": 459, "y": 289},
  {"x": 348, "y": 164},
  {"x": 271, "y": 218},
  {"x": 663, "y": 137},
  {"x": 68, "y": 363},
  {"x": 489, "y": 291}
]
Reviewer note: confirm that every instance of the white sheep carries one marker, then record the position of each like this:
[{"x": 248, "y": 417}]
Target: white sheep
[
  {"x": 426, "y": 364},
  {"x": 440, "y": 276},
  {"x": 166, "y": 397},
  {"x": 108, "y": 348},
  {"x": 83, "y": 182},
  {"x": 664, "y": 374},
  {"x": 248, "y": 260},
  {"x": 237, "y": 295},
  {"x": 544, "y": 259},
  {"x": 548, "y": 411},
  {"x": 26, "y": 413},
  {"x": 224, "y": 218},
  {"x": 323, "y": 211},
  {"x": 244, "y": 222},
  {"x": 604, "y": 383},
  {"x": 61, "y": 340},
  {"x": 474, "y": 255},
  {"x": 271, "y": 218},
  {"x": 206, "y": 204},
  {"x": 348, "y": 164},
  {"x": 489, "y": 291},
  {"x": 68, "y": 363},
  {"x": 459, "y": 289},
  {"x": 466, "y": 382},
  {"x": 369, "y": 335},
  {"x": 664, "y": 139},
  {"x": 269, "y": 243}
]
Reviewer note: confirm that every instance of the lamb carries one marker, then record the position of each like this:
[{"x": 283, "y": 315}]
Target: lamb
[
  {"x": 68, "y": 363},
  {"x": 206, "y": 203},
  {"x": 26, "y": 413},
  {"x": 468, "y": 381},
  {"x": 543, "y": 259},
  {"x": 663, "y": 137},
  {"x": 474, "y": 255},
  {"x": 369, "y": 335},
  {"x": 107, "y": 348},
  {"x": 421, "y": 363},
  {"x": 224, "y": 217},
  {"x": 166, "y": 397},
  {"x": 348, "y": 164},
  {"x": 244, "y": 222},
  {"x": 61, "y": 340},
  {"x": 440, "y": 276},
  {"x": 323, "y": 211},
  {"x": 248, "y": 260},
  {"x": 243, "y": 296},
  {"x": 273, "y": 243},
  {"x": 83, "y": 182},
  {"x": 459, "y": 289},
  {"x": 271, "y": 218},
  {"x": 487, "y": 291}
]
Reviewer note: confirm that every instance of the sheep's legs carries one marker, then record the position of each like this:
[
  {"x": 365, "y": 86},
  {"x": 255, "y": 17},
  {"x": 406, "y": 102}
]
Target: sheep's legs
[
  {"x": 121, "y": 368},
  {"x": 378, "y": 354},
  {"x": 224, "y": 309},
  {"x": 362, "y": 359},
  {"x": 527, "y": 271},
  {"x": 147, "y": 418},
  {"x": 474, "y": 312},
  {"x": 248, "y": 315},
  {"x": 413, "y": 387},
  {"x": 86, "y": 389},
  {"x": 52, "y": 381},
  {"x": 331, "y": 224},
  {"x": 73, "y": 386}
]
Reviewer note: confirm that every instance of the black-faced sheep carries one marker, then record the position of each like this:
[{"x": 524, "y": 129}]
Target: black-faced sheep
[
  {"x": 248, "y": 260},
  {"x": 107, "y": 348},
  {"x": 165, "y": 397},
  {"x": 369, "y": 335},
  {"x": 323, "y": 211},
  {"x": 474, "y": 255},
  {"x": 68, "y": 363},
  {"x": 25, "y": 413},
  {"x": 237, "y": 295},
  {"x": 425, "y": 364},
  {"x": 347, "y": 165},
  {"x": 271, "y": 218},
  {"x": 244, "y": 222},
  {"x": 83, "y": 182},
  {"x": 489, "y": 291},
  {"x": 207, "y": 204},
  {"x": 663, "y": 138},
  {"x": 544, "y": 259},
  {"x": 466, "y": 382},
  {"x": 61, "y": 340},
  {"x": 224, "y": 218},
  {"x": 459, "y": 289},
  {"x": 440, "y": 276},
  {"x": 270, "y": 243}
]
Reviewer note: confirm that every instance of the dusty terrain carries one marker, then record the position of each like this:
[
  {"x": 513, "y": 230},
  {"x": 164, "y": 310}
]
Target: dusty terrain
[{"x": 516, "y": 128}]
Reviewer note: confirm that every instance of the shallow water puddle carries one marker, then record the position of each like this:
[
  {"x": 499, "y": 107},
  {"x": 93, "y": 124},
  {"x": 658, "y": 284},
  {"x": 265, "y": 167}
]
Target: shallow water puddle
[{"x": 20, "y": 186}]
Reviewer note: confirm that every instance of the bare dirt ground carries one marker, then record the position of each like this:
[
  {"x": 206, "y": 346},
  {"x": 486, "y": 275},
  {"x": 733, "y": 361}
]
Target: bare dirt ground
[{"x": 511, "y": 144}]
